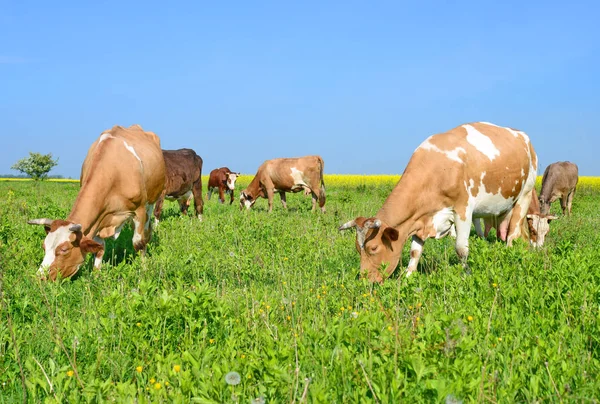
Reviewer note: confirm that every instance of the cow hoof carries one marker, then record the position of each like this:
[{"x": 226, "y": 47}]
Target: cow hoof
[{"x": 200, "y": 217}]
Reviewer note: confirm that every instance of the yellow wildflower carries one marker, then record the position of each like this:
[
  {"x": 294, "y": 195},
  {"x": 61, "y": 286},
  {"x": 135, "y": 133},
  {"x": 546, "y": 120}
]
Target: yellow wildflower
[
  {"x": 176, "y": 368},
  {"x": 212, "y": 340},
  {"x": 70, "y": 373},
  {"x": 157, "y": 386},
  {"x": 139, "y": 369},
  {"x": 470, "y": 318},
  {"x": 152, "y": 381},
  {"x": 139, "y": 324}
]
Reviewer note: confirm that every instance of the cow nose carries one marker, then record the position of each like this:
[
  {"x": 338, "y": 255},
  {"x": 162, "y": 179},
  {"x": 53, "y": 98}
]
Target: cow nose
[{"x": 43, "y": 269}]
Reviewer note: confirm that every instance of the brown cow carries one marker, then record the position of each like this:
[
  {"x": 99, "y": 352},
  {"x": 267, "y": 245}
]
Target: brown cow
[
  {"x": 538, "y": 223},
  {"x": 122, "y": 177},
  {"x": 183, "y": 180},
  {"x": 223, "y": 180},
  {"x": 475, "y": 170},
  {"x": 559, "y": 181},
  {"x": 287, "y": 175}
]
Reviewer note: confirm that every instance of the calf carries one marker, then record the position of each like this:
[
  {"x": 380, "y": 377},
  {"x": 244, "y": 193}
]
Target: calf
[
  {"x": 559, "y": 181},
  {"x": 223, "y": 180},
  {"x": 122, "y": 177},
  {"x": 287, "y": 175},
  {"x": 475, "y": 170},
  {"x": 183, "y": 180},
  {"x": 538, "y": 223}
]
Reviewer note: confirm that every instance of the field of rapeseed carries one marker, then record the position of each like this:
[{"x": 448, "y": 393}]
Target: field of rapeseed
[{"x": 258, "y": 307}]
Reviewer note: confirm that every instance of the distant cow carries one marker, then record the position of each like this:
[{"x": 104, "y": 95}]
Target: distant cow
[
  {"x": 183, "y": 180},
  {"x": 559, "y": 181},
  {"x": 475, "y": 170},
  {"x": 223, "y": 180},
  {"x": 122, "y": 177},
  {"x": 287, "y": 175},
  {"x": 538, "y": 223}
]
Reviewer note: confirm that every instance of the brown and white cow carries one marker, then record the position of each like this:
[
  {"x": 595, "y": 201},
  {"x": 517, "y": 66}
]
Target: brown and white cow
[
  {"x": 538, "y": 224},
  {"x": 122, "y": 177},
  {"x": 287, "y": 175},
  {"x": 183, "y": 181},
  {"x": 475, "y": 170},
  {"x": 559, "y": 182},
  {"x": 223, "y": 180}
]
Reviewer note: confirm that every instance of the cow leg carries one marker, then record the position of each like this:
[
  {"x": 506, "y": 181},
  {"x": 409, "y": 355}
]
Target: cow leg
[
  {"x": 231, "y": 195},
  {"x": 570, "y": 201},
  {"x": 283, "y": 200},
  {"x": 158, "y": 207},
  {"x": 478, "y": 230},
  {"x": 463, "y": 229},
  {"x": 142, "y": 229},
  {"x": 98, "y": 256},
  {"x": 221, "y": 195},
  {"x": 270, "y": 194},
  {"x": 209, "y": 194},
  {"x": 518, "y": 218},
  {"x": 198, "y": 202},
  {"x": 416, "y": 249},
  {"x": 183, "y": 205},
  {"x": 563, "y": 204}
]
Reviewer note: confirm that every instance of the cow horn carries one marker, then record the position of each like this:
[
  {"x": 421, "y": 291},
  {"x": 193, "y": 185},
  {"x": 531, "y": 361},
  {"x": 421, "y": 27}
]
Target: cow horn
[
  {"x": 43, "y": 222},
  {"x": 75, "y": 228},
  {"x": 347, "y": 225}
]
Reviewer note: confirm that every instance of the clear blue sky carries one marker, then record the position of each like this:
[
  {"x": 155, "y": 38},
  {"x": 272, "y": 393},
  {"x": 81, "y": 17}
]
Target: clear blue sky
[{"x": 360, "y": 83}]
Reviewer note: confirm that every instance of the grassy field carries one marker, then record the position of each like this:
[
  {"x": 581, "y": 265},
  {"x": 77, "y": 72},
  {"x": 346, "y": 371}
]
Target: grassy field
[{"x": 275, "y": 298}]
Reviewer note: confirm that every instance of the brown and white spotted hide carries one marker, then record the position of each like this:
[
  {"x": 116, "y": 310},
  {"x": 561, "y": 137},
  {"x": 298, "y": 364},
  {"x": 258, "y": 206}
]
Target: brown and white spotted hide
[
  {"x": 283, "y": 175},
  {"x": 559, "y": 182},
  {"x": 223, "y": 181},
  {"x": 476, "y": 170},
  {"x": 183, "y": 181},
  {"x": 122, "y": 177}
]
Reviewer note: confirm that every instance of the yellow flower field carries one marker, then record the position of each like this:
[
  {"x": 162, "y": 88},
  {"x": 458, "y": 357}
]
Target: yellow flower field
[{"x": 345, "y": 180}]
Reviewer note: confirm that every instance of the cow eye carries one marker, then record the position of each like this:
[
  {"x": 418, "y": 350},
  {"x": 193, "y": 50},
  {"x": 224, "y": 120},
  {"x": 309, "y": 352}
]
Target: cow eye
[{"x": 374, "y": 248}]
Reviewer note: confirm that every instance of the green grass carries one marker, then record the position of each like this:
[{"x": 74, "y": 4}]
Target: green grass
[{"x": 276, "y": 298}]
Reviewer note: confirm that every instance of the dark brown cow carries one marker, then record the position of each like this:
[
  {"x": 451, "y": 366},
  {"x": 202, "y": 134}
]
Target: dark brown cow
[
  {"x": 223, "y": 180},
  {"x": 183, "y": 180},
  {"x": 287, "y": 175},
  {"x": 559, "y": 182},
  {"x": 475, "y": 170},
  {"x": 122, "y": 177}
]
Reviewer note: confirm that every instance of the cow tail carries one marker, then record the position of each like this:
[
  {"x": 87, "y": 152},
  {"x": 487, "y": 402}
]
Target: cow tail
[{"x": 322, "y": 192}]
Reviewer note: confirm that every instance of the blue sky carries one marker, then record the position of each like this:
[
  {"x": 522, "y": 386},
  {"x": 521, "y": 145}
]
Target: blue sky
[{"x": 360, "y": 83}]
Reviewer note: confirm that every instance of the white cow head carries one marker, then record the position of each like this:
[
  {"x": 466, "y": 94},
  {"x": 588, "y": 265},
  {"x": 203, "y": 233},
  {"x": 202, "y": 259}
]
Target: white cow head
[
  {"x": 65, "y": 248},
  {"x": 539, "y": 226},
  {"x": 231, "y": 178},
  {"x": 246, "y": 200}
]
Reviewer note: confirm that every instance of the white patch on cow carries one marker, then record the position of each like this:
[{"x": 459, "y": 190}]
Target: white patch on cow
[
  {"x": 132, "y": 150},
  {"x": 442, "y": 222},
  {"x": 231, "y": 181},
  {"x": 118, "y": 230},
  {"x": 298, "y": 177},
  {"x": 98, "y": 260},
  {"x": 247, "y": 203},
  {"x": 451, "y": 154},
  {"x": 481, "y": 142},
  {"x": 137, "y": 238},
  {"x": 490, "y": 124},
  {"x": 415, "y": 246},
  {"x": 53, "y": 240},
  {"x": 542, "y": 227},
  {"x": 149, "y": 214},
  {"x": 105, "y": 136},
  {"x": 486, "y": 204}
]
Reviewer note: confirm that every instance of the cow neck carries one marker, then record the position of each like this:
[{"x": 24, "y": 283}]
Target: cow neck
[
  {"x": 88, "y": 209},
  {"x": 400, "y": 210}
]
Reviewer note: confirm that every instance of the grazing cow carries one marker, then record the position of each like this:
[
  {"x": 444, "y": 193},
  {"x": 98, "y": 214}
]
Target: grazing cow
[
  {"x": 183, "y": 180},
  {"x": 475, "y": 170},
  {"x": 122, "y": 177},
  {"x": 538, "y": 223},
  {"x": 287, "y": 175},
  {"x": 559, "y": 181},
  {"x": 223, "y": 180}
]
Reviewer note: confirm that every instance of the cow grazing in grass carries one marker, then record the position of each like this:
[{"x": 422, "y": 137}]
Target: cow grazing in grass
[
  {"x": 476, "y": 170},
  {"x": 287, "y": 175},
  {"x": 538, "y": 223},
  {"x": 183, "y": 181},
  {"x": 122, "y": 177},
  {"x": 223, "y": 180},
  {"x": 559, "y": 182}
]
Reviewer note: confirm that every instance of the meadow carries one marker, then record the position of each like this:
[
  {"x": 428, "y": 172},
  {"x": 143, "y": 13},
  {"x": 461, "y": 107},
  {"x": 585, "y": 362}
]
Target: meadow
[{"x": 253, "y": 307}]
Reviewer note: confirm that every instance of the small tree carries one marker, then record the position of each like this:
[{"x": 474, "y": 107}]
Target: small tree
[{"x": 37, "y": 165}]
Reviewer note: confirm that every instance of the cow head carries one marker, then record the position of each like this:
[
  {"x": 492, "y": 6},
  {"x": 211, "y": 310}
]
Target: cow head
[
  {"x": 230, "y": 181},
  {"x": 65, "y": 248},
  {"x": 539, "y": 227},
  {"x": 246, "y": 200},
  {"x": 544, "y": 205},
  {"x": 375, "y": 242}
]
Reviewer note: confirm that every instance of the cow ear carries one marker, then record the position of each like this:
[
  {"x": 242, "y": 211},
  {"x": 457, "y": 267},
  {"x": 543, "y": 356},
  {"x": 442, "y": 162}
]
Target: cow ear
[
  {"x": 88, "y": 245},
  {"x": 391, "y": 233}
]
